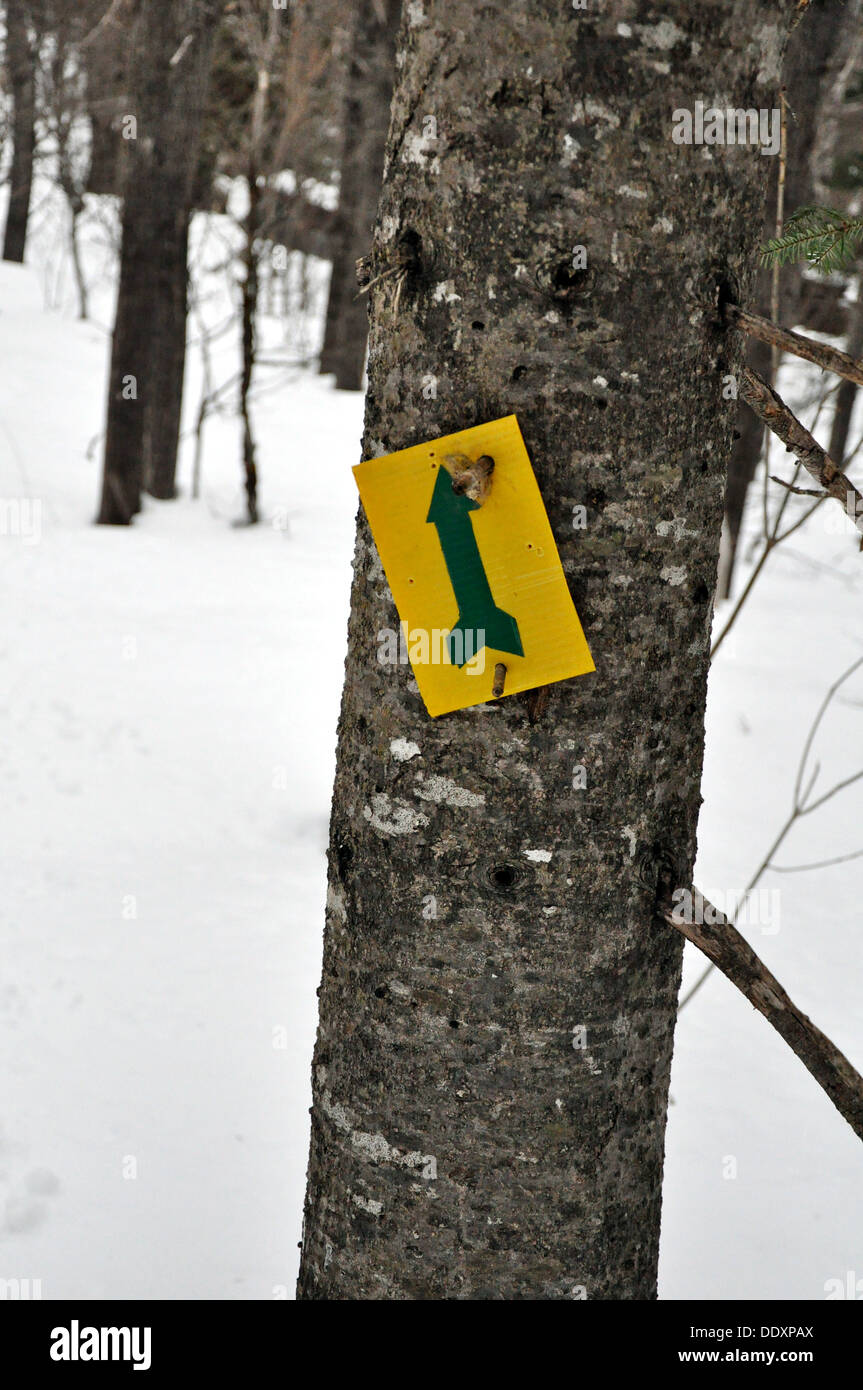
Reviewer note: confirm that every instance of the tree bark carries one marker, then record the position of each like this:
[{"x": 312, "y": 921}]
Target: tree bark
[
  {"x": 366, "y": 119},
  {"x": 20, "y": 68},
  {"x": 162, "y": 434},
  {"x": 145, "y": 391},
  {"x": 498, "y": 997}
]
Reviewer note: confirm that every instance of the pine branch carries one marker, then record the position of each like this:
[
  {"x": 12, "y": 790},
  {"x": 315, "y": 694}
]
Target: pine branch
[
  {"x": 722, "y": 943},
  {"x": 827, "y": 239}
]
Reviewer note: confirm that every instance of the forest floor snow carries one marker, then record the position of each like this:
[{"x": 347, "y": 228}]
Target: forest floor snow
[{"x": 171, "y": 694}]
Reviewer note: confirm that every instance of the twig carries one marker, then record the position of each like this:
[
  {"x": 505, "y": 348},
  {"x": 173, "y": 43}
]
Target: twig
[
  {"x": 774, "y": 539},
  {"x": 829, "y": 358},
  {"x": 772, "y": 535},
  {"x": 108, "y": 18},
  {"x": 818, "y": 864},
  {"x": 800, "y": 806},
  {"x": 798, "y": 491},
  {"x": 722, "y": 943}
]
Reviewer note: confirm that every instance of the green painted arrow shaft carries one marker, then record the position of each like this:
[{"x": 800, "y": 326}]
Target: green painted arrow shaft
[
  {"x": 465, "y": 568},
  {"x": 480, "y": 621}
]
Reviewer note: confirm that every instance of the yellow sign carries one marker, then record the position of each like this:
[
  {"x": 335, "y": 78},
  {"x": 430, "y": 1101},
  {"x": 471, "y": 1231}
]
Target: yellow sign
[{"x": 477, "y": 583}]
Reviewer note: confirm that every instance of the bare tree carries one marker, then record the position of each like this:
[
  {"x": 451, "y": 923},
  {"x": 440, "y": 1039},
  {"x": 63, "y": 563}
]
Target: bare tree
[
  {"x": 262, "y": 34},
  {"x": 287, "y": 52},
  {"x": 366, "y": 118},
  {"x": 169, "y": 70},
  {"x": 21, "y": 69}
]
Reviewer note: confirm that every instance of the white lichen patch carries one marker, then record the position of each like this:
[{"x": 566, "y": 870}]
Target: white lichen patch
[
  {"x": 663, "y": 35},
  {"x": 673, "y": 575},
  {"x": 403, "y": 750},
  {"x": 393, "y": 817},
  {"x": 676, "y": 527},
  {"x": 336, "y": 903},
  {"x": 627, "y": 191},
  {"x": 617, "y": 514},
  {"x": 538, "y": 856},
  {"x": 663, "y": 224},
  {"x": 416, "y": 150},
  {"x": 627, "y": 833},
  {"x": 571, "y": 150},
  {"x": 600, "y": 381},
  {"x": 445, "y": 293},
  {"x": 367, "y": 1204},
  {"x": 591, "y": 110},
  {"x": 444, "y": 790},
  {"x": 375, "y": 1147}
]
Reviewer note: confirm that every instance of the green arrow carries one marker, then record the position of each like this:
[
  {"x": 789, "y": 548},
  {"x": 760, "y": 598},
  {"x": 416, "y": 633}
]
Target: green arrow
[{"x": 480, "y": 621}]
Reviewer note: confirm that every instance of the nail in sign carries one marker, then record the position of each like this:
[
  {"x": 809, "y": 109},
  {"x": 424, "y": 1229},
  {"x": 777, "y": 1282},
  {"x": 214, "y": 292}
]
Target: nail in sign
[{"x": 475, "y": 584}]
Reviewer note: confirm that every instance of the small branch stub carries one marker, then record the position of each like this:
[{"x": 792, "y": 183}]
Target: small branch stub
[
  {"x": 499, "y": 679},
  {"x": 470, "y": 479}
]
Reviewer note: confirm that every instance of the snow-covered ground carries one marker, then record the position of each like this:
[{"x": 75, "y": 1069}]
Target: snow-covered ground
[{"x": 170, "y": 695}]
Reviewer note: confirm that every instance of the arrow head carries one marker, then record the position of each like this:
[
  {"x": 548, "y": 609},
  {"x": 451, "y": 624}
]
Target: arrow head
[{"x": 446, "y": 504}]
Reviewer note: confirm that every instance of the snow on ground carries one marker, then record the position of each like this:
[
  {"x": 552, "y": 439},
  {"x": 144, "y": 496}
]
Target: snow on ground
[
  {"x": 792, "y": 1217},
  {"x": 171, "y": 694}
]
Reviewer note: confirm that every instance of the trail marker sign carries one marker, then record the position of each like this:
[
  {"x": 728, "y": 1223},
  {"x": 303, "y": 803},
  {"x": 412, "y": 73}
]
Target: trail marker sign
[{"x": 474, "y": 584}]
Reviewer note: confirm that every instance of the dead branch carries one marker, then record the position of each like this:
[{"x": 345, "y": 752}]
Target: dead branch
[
  {"x": 722, "y": 943},
  {"x": 830, "y": 358},
  {"x": 772, "y": 410}
]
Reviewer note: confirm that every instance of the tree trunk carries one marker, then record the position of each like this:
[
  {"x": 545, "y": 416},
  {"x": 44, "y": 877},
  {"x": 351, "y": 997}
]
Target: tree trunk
[
  {"x": 169, "y": 363},
  {"x": 805, "y": 70},
  {"x": 145, "y": 391},
  {"x": 103, "y": 175},
  {"x": 847, "y": 393},
  {"x": 20, "y": 68},
  {"x": 366, "y": 119},
  {"x": 498, "y": 999},
  {"x": 249, "y": 341}
]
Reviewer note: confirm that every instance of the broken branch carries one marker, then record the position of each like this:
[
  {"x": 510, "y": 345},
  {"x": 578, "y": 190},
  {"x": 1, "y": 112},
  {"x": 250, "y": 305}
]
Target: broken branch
[
  {"x": 772, "y": 410},
  {"x": 830, "y": 358},
  {"x": 722, "y": 943}
]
